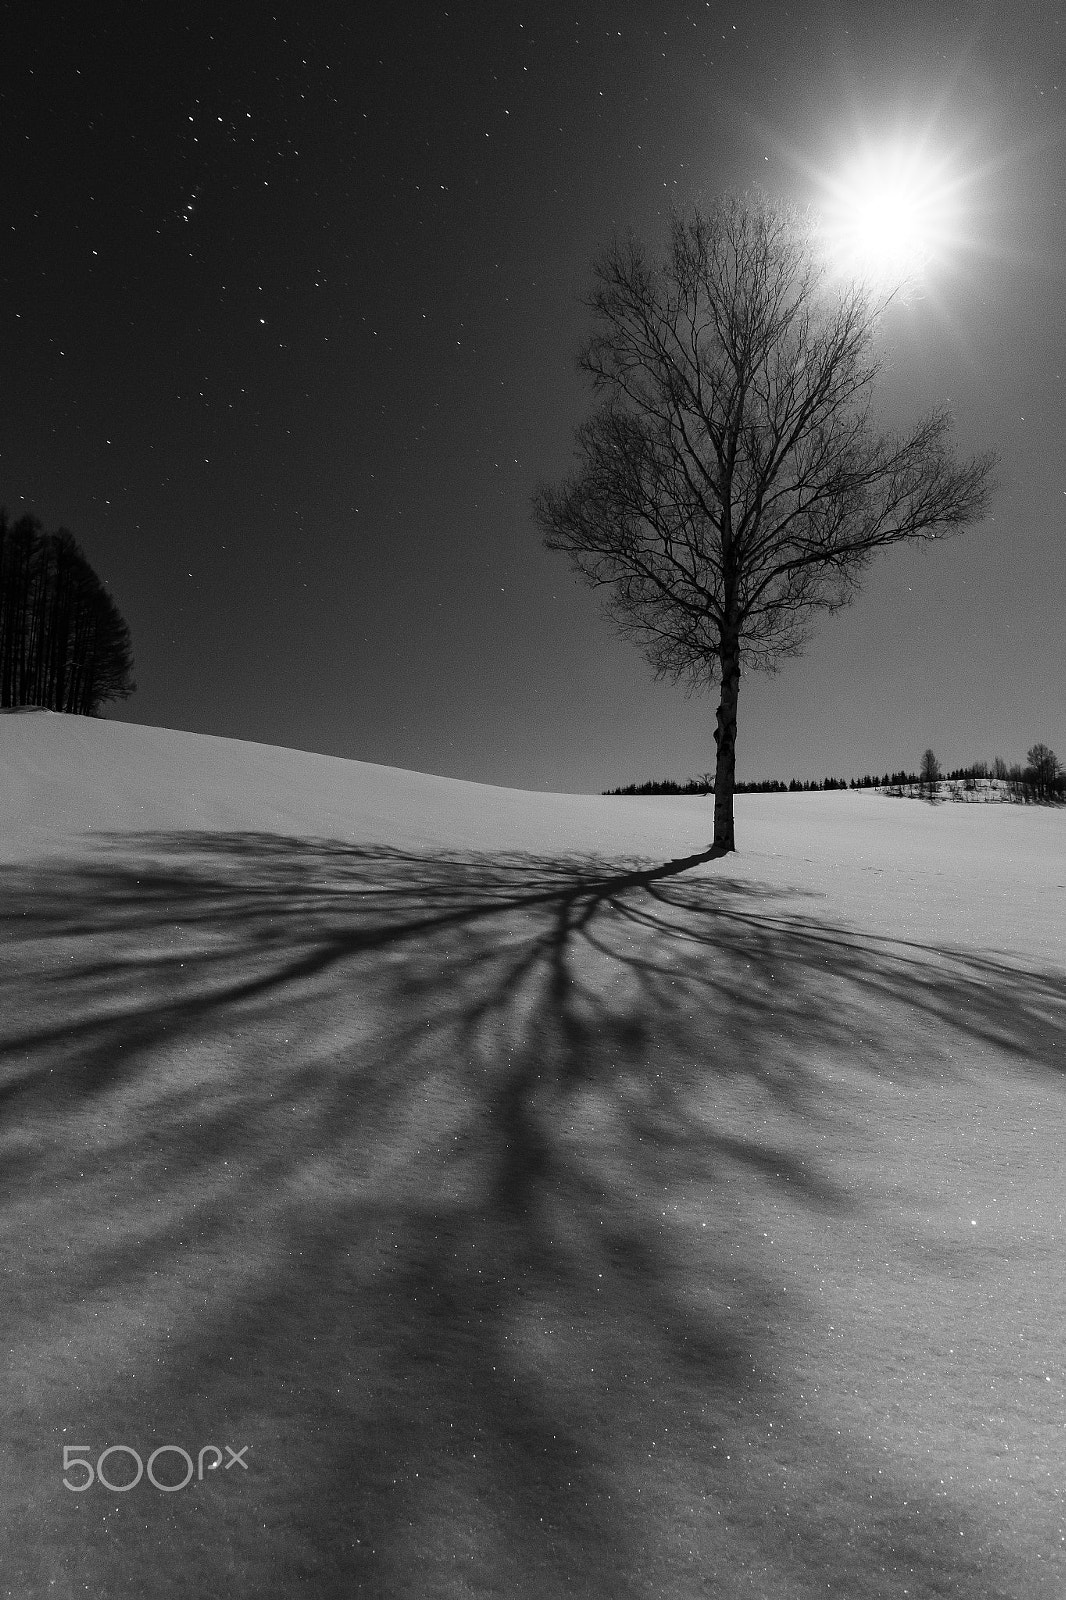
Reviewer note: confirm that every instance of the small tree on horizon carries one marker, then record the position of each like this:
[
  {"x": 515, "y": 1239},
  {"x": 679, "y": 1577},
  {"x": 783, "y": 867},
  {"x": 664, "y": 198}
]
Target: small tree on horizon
[
  {"x": 929, "y": 773},
  {"x": 732, "y": 482},
  {"x": 1044, "y": 768}
]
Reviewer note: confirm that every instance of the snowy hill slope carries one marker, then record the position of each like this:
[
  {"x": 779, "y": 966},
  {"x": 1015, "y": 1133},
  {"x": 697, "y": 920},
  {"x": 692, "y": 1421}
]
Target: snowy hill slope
[
  {"x": 974, "y": 875},
  {"x": 709, "y": 1216}
]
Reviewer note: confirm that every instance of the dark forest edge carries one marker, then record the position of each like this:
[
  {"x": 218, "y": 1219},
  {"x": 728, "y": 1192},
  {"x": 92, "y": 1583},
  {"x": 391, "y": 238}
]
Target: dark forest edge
[{"x": 64, "y": 645}]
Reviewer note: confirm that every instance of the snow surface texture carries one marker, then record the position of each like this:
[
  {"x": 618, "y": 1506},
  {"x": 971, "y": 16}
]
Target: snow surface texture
[{"x": 544, "y": 1225}]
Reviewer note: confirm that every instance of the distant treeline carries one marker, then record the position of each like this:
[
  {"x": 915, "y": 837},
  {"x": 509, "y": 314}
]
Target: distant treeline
[
  {"x": 1041, "y": 779},
  {"x": 768, "y": 785},
  {"x": 63, "y": 642}
]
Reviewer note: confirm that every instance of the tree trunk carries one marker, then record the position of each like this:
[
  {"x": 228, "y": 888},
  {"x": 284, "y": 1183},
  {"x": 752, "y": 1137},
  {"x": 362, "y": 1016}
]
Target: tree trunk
[{"x": 725, "y": 737}]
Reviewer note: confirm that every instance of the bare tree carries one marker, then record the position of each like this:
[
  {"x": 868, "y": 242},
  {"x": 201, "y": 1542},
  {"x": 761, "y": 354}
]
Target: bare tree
[
  {"x": 929, "y": 773},
  {"x": 732, "y": 482},
  {"x": 1043, "y": 769}
]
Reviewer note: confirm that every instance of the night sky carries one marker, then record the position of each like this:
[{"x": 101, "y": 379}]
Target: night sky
[{"x": 291, "y": 299}]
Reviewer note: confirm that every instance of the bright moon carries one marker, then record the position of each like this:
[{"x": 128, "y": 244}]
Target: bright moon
[{"x": 890, "y": 216}]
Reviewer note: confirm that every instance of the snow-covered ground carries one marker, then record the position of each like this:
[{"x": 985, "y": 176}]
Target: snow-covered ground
[
  {"x": 976, "y": 875},
  {"x": 982, "y": 791},
  {"x": 546, "y": 1216}
]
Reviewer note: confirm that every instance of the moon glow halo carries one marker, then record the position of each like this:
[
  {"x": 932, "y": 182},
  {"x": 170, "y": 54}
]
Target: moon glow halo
[{"x": 890, "y": 216}]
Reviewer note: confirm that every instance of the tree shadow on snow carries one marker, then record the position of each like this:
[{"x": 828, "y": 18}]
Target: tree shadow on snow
[{"x": 430, "y": 1174}]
